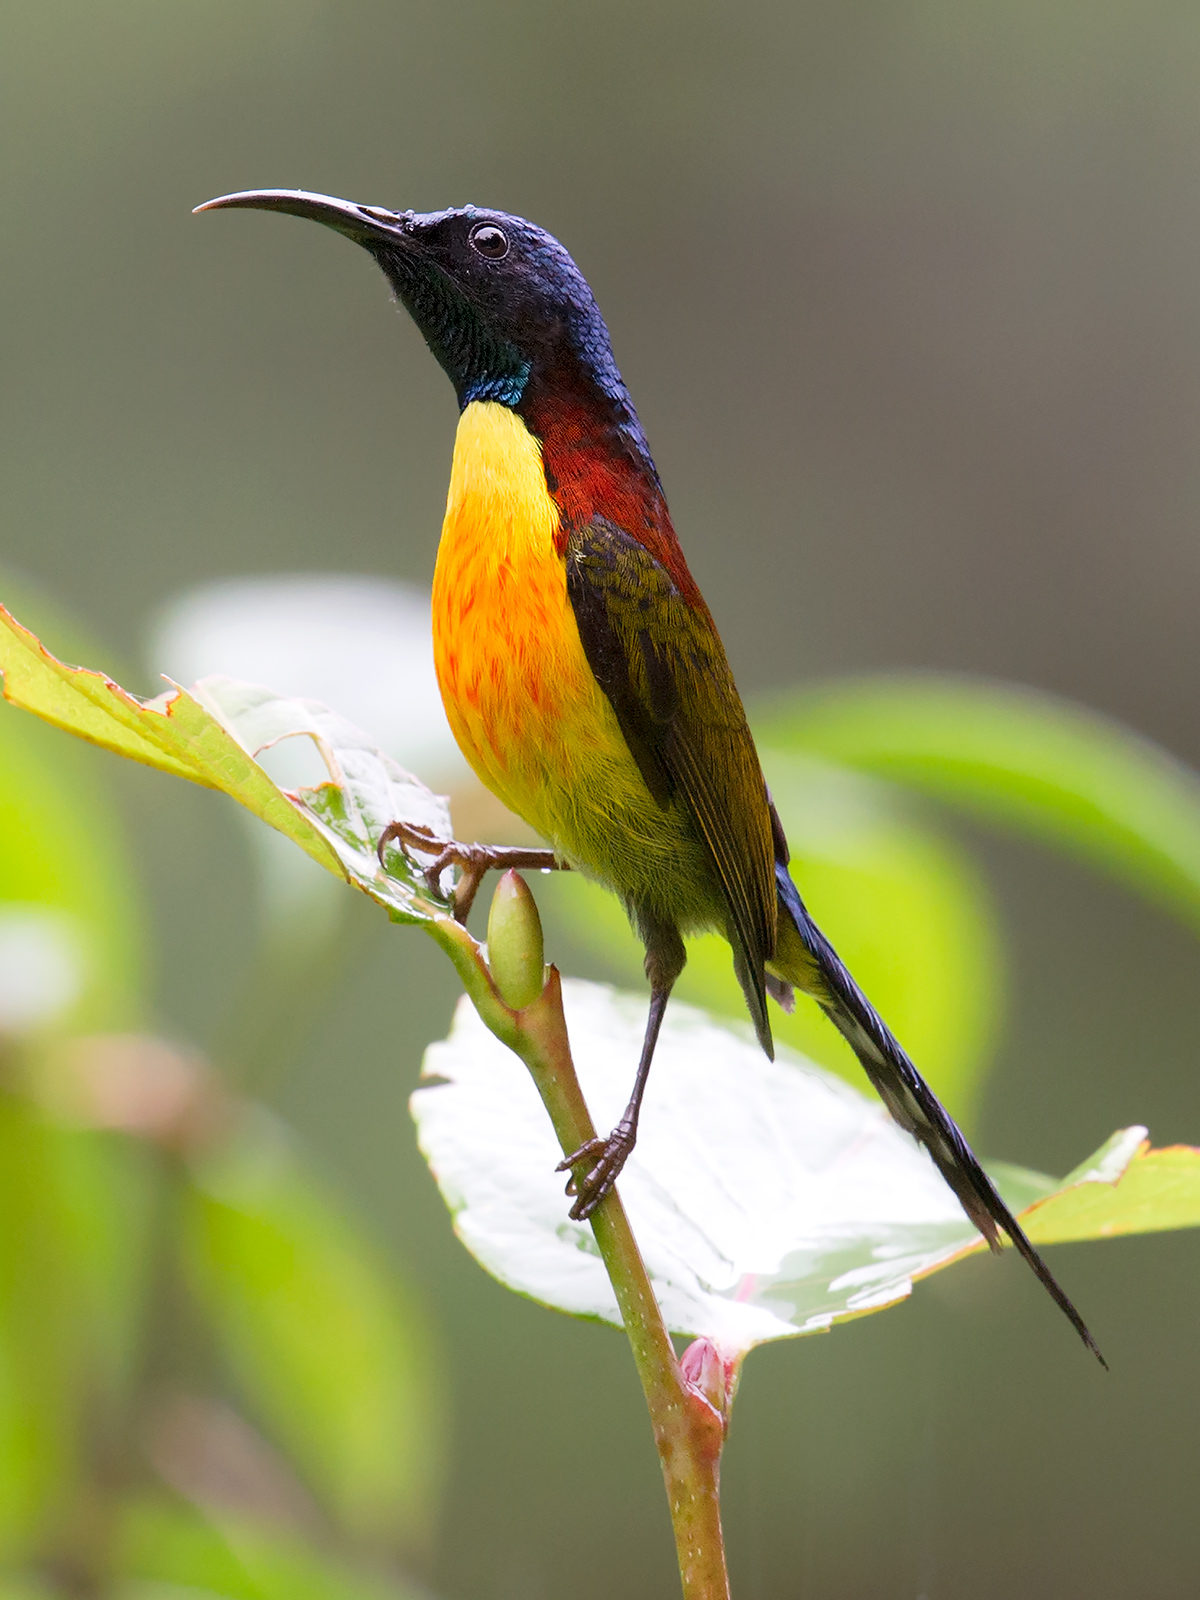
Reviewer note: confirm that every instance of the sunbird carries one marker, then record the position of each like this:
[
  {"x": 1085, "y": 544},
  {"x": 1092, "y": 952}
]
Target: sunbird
[{"x": 582, "y": 672}]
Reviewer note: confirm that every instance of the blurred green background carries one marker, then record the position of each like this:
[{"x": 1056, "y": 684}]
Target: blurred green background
[{"x": 909, "y": 300}]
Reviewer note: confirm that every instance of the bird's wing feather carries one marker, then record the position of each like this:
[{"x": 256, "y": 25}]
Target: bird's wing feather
[{"x": 661, "y": 664}]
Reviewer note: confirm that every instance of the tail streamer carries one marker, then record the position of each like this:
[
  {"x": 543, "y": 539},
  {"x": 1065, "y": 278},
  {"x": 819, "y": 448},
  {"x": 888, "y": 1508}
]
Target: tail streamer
[{"x": 909, "y": 1098}]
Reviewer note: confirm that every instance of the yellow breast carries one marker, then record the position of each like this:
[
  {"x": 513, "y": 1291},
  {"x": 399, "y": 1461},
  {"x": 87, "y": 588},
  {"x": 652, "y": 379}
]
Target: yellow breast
[
  {"x": 521, "y": 699},
  {"x": 507, "y": 651}
]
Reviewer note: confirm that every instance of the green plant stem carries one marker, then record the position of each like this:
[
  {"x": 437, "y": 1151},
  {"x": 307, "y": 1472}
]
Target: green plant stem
[{"x": 688, "y": 1431}]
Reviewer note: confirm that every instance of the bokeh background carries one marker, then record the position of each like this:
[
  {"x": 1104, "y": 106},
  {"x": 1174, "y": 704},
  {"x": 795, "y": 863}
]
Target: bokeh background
[{"x": 909, "y": 299}]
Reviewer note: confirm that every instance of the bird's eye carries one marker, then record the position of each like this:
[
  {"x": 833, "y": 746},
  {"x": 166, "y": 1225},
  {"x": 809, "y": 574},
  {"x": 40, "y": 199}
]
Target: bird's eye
[{"x": 490, "y": 241}]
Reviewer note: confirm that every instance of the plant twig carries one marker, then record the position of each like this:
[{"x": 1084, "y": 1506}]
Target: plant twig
[{"x": 688, "y": 1430}]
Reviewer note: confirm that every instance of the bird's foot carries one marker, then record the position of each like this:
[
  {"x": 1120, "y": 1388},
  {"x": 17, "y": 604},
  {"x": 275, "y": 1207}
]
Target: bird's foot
[
  {"x": 607, "y": 1157},
  {"x": 472, "y": 860}
]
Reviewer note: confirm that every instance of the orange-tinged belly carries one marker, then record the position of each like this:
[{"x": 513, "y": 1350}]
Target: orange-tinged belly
[
  {"x": 521, "y": 699},
  {"x": 513, "y": 676}
]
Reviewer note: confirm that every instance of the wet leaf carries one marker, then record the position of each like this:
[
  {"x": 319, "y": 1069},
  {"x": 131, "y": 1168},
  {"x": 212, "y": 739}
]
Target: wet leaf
[
  {"x": 768, "y": 1199},
  {"x": 212, "y": 735},
  {"x": 366, "y": 791},
  {"x": 328, "y": 1348},
  {"x": 362, "y": 644}
]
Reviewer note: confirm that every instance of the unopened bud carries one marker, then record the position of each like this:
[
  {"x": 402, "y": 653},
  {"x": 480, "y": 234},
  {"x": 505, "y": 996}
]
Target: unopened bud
[
  {"x": 711, "y": 1378},
  {"x": 514, "y": 941},
  {"x": 704, "y": 1372}
]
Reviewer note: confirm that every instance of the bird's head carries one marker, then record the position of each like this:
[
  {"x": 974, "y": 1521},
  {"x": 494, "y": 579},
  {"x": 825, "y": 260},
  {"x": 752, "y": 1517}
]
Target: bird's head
[{"x": 498, "y": 300}]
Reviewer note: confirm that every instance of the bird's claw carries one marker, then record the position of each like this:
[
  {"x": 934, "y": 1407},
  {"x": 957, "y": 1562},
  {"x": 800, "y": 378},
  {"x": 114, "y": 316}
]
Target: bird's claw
[
  {"x": 472, "y": 860},
  {"x": 611, "y": 1155}
]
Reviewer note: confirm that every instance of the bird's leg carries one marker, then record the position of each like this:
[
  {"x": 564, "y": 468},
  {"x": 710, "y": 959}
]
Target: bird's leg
[
  {"x": 604, "y": 1158},
  {"x": 472, "y": 859}
]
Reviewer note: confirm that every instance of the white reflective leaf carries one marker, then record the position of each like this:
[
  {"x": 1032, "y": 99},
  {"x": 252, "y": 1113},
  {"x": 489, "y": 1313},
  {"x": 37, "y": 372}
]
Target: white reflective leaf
[{"x": 768, "y": 1199}]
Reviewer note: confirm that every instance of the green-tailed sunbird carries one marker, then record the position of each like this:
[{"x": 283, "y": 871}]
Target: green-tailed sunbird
[{"x": 582, "y": 672}]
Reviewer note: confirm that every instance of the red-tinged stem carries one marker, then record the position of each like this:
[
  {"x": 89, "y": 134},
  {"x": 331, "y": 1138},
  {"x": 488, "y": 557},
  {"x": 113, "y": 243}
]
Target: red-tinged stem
[{"x": 688, "y": 1431}]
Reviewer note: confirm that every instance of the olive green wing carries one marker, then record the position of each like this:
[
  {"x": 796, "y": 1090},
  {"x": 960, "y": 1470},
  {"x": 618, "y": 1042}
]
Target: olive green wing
[{"x": 662, "y": 666}]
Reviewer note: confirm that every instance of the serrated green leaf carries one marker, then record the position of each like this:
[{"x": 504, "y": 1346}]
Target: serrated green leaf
[
  {"x": 905, "y": 908},
  {"x": 174, "y": 733},
  {"x": 1015, "y": 756},
  {"x": 1154, "y": 1191},
  {"x": 328, "y": 1347},
  {"x": 212, "y": 736},
  {"x": 768, "y": 1199}
]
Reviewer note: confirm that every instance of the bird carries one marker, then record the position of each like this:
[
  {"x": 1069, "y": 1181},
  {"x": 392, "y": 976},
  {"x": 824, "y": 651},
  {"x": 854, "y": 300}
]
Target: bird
[{"x": 583, "y": 675}]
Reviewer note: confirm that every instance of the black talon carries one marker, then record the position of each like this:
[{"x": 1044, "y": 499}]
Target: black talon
[{"x": 600, "y": 1179}]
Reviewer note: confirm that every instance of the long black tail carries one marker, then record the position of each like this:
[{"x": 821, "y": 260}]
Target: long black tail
[{"x": 906, "y": 1094}]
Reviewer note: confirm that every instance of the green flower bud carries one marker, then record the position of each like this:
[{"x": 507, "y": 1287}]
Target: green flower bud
[{"x": 514, "y": 942}]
